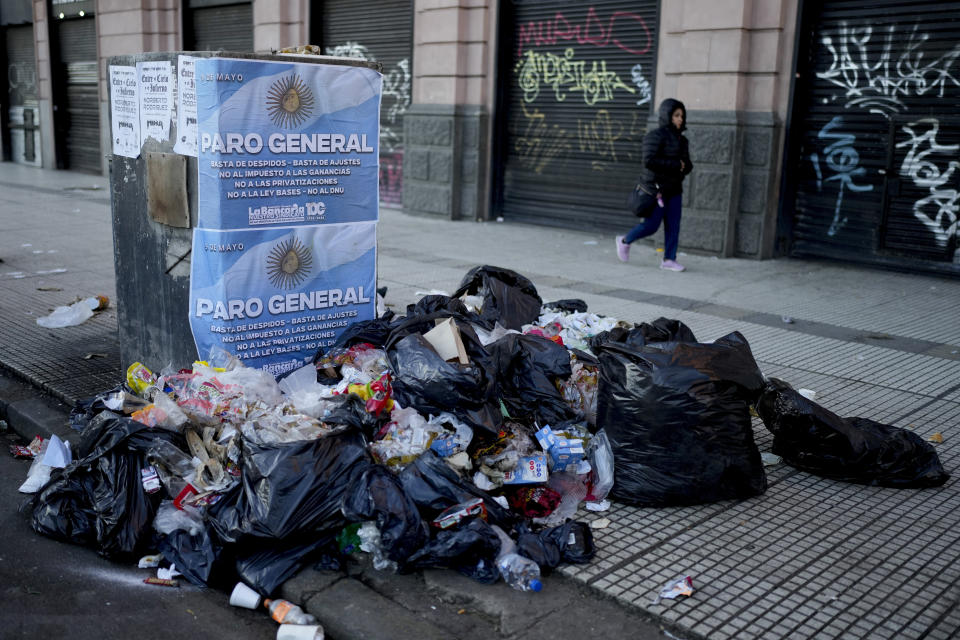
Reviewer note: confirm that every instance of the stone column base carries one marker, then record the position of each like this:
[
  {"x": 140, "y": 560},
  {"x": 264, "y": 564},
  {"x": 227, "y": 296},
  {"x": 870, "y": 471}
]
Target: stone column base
[
  {"x": 729, "y": 200},
  {"x": 445, "y": 161}
]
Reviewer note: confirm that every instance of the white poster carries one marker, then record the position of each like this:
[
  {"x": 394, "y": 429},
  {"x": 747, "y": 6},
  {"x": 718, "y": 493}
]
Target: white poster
[
  {"x": 156, "y": 99},
  {"x": 186, "y": 143},
  {"x": 124, "y": 108}
]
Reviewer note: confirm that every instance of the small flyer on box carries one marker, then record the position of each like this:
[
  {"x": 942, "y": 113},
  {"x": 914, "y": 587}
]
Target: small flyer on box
[
  {"x": 186, "y": 143},
  {"x": 124, "y": 111},
  {"x": 156, "y": 99}
]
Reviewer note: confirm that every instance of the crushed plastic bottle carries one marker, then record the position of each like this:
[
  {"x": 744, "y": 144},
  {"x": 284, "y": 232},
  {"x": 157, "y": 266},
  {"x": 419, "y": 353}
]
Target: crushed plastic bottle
[
  {"x": 285, "y": 612},
  {"x": 523, "y": 574},
  {"x": 370, "y": 542}
]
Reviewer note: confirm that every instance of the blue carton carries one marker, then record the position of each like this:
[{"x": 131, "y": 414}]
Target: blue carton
[
  {"x": 445, "y": 445},
  {"x": 545, "y": 437},
  {"x": 529, "y": 470}
]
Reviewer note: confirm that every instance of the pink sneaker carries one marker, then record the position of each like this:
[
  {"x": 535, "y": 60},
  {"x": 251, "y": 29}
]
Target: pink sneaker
[
  {"x": 623, "y": 249},
  {"x": 671, "y": 265}
]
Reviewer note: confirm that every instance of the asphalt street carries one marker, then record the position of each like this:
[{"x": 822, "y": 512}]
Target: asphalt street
[{"x": 54, "y": 590}]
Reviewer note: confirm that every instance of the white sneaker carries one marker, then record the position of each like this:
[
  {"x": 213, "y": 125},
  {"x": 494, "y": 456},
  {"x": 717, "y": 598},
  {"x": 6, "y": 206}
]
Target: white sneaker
[{"x": 672, "y": 265}]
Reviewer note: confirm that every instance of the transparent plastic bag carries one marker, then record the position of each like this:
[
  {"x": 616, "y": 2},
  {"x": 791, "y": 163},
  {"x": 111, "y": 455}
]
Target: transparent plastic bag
[
  {"x": 69, "y": 316},
  {"x": 600, "y": 455},
  {"x": 169, "y": 519}
]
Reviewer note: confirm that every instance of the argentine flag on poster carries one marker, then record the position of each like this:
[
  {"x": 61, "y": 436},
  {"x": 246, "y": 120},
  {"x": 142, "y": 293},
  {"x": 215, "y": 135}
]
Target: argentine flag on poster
[
  {"x": 286, "y": 143},
  {"x": 273, "y": 297}
]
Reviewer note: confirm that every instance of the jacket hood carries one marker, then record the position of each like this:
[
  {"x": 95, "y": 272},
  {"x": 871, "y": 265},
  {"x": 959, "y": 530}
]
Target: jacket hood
[{"x": 667, "y": 107}]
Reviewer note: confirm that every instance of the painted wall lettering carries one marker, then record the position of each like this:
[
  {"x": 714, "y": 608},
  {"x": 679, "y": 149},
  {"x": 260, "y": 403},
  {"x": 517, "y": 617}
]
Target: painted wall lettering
[
  {"x": 592, "y": 31},
  {"x": 643, "y": 85},
  {"x": 396, "y": 93},
  {"x": 565, "y": 75},
  {"x": 540, "y": 144},
  {"x": 395, "y": 101},
  {"x": 597, "y": 136},
  {"x": 876, "y": 78},
  {"x": 843, "y": 160},
  {"x": 937, "y": 211},
  {"x": 22, "y": 81}
]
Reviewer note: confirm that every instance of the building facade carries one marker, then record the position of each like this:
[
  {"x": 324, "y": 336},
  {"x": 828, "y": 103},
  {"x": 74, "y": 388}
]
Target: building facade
[{"x": 824, "y": 128}]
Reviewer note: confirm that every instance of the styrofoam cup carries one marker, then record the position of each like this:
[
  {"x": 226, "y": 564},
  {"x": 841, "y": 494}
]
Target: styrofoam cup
[
  {"x": 300, "y": 632},
  {"x": 244, "y": 596}
]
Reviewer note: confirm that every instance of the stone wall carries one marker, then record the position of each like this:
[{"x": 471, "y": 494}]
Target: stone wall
[
  {"x": 446, "y": 129},
  {"x": 445, "y": 161},
  {"x": 728, "y": 197}
]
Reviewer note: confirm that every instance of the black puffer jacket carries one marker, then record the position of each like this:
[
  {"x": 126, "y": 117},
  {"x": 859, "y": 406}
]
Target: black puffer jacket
[{"x": 663, "y": 149}]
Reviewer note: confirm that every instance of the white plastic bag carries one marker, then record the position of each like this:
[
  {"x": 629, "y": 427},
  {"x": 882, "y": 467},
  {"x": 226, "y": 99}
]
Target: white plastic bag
[
  {"x": 76, "y": 313},
  {"x": 54, "y": 454}
]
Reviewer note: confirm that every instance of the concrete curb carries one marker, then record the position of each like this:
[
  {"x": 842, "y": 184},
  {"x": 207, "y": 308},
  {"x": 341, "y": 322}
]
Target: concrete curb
[
  {"x": 29, "y": 413},
  {"x": 363, "y": 603}
]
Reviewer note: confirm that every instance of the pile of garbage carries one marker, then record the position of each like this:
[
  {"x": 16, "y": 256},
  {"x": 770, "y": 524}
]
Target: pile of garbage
[{"x": 465, "y": 434}]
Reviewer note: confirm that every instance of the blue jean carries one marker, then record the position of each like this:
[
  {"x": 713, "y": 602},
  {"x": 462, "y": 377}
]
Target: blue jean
[{"x": 670, "y": 214}]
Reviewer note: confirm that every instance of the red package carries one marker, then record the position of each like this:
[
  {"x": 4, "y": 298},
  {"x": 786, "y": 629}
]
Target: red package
[
  {"x": 20, "y": 451},
  {"x": 534, "y": 502}
]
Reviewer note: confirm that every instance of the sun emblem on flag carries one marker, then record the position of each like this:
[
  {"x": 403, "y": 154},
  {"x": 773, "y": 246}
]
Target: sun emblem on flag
[
  {"x": 289, "y": 101},
  {"x": 288, "y": 263}
]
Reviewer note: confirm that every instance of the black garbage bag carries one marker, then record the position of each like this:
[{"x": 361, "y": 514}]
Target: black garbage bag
[
  {"x": 677, "y": 415},
  {"x": 374, "y": 332},
  {"x": 508, "y": 297},
  {"x": 567, "y": 305},
  {"x": 471, "y": 549},
  {"x": 265, "y": 566},
  {"x": 434, "y": 486},
  {"x": 541, "y": 549},
  {"x": 85, "y": 410},
  {"x": 574, "y": 540},
  {"x": 526, "y": 367},
  {"x": 814, "y": 439},
  {"x": 570, "y": 542},
  {"x": 431, "y": 385},
  {"x": 290, "y": 488},
  {"x": 350, "y": 409},
  {"x": 660, "y": 330},
  {"x": 98, "y": 500},
  {"x": 378, "y": 495},
  {"x": 435, "y": 302},
  {"x": 195, "y": 555}
]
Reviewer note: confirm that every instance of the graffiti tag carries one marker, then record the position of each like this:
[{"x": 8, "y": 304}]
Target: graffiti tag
[
  {"x": 593, "y": 31},
  {"x": 643, "y": 85},
  {"x": 842, "y": 158},
  {"x": 873, "y": 78},
  {"x": 540, "y": 143},
  {"x": 927, "y": 174},
  {"x": 565, "y": 75},
  {"x": 598, "y": 136},
  {"x": 395, "y": 93}
]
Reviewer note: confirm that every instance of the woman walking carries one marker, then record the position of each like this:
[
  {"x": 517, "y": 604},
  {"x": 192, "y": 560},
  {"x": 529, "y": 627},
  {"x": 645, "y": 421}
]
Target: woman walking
[{"x": 666, "y": 162}]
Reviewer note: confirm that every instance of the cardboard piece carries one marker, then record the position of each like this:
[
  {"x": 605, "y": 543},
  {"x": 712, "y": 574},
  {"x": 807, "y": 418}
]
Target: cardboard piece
[{"x": 445, "y": 338}]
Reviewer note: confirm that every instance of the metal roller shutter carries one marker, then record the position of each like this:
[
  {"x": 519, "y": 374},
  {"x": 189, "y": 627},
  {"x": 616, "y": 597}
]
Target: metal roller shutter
[
  {"x": 81, "y": 123},
  {"x": 381, "y": 31},
  {"x": 576, "y": 92},
  {"x": 227, "y": 27},
  {"x": 877, "y": 166},
  {"x": 22, "y": 66}
]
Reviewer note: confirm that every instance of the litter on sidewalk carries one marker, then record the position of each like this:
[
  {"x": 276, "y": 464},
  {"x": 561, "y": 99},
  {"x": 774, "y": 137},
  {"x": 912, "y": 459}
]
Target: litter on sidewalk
[
  {"x": 465, "y": 435},
  {"x": 74, "y": 314}
]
